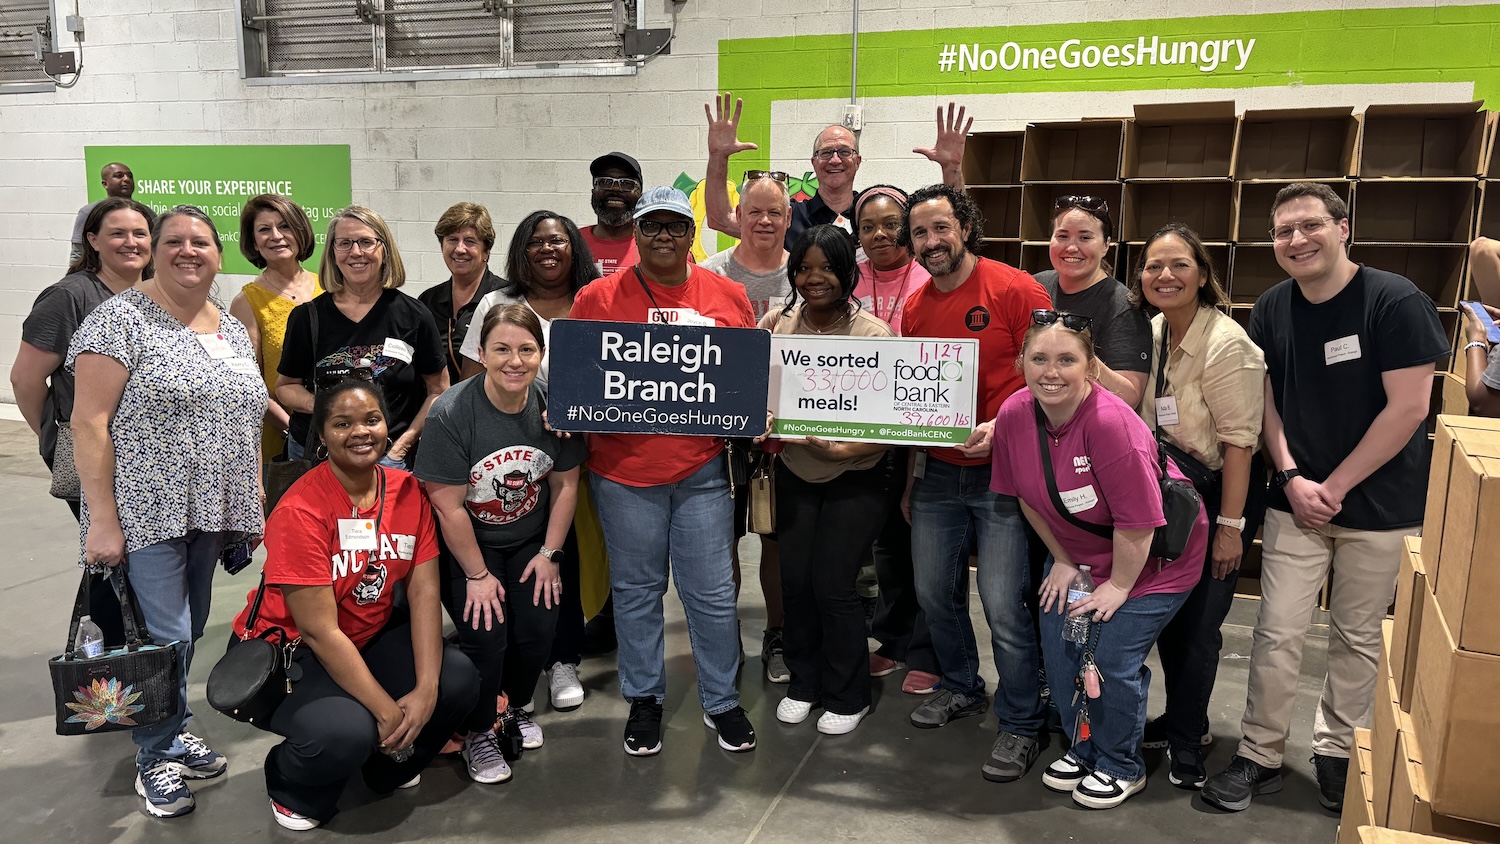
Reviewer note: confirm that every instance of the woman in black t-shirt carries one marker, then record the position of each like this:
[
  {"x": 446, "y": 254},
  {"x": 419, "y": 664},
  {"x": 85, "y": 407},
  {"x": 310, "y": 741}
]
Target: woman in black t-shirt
[{"x": 363, "y": 327}]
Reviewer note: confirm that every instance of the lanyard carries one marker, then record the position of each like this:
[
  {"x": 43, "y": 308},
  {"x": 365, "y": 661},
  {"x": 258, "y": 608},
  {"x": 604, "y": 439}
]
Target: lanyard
[{"x": 379, "y": 501}]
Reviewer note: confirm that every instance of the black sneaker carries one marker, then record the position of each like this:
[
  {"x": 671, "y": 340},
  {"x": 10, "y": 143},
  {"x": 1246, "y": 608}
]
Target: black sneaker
[
  {"x": 1185, "y": 769},
  {"x": 1010, "y": 758},
  {"x": 945, "y": 706},
  {"x": 1232, "y": 788},
  {"x": 643, "y": 727},
  {"x": 1155, "y": 737},
  {"x": 1333, "y": 776},
  {"x": 773, "y": 654},
  {"x": 735, "y": 733}
]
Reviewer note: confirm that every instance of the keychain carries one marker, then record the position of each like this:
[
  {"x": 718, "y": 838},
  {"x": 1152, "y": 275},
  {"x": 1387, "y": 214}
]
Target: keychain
[{"x": 1089, "y": 676}]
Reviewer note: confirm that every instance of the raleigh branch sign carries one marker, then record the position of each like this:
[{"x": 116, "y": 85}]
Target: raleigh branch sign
[
  {"x": 648, "y": 378},
  {"x": 874, "y": 389}
]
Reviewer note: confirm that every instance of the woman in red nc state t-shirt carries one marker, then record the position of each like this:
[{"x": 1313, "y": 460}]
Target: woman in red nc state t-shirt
[{"x": 374, "y": 686}]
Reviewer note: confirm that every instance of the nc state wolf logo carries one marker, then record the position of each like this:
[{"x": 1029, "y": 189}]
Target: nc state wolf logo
[
  {"x": 505, "y": 486},
  {"x": 371, "y": 584}
]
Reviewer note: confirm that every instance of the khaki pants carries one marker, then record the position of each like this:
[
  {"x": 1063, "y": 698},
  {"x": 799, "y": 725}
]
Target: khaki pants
[{"x": 1294, "y": 567}]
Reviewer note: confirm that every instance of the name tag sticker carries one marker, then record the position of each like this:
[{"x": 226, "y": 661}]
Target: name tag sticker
[
  {"x": 398, "y": 349},
  {"x": 678, "y": 316},
  {"x": 406, "y": 545},
  {"x": 243, "y": 366},
  {"x": 1166, "y": 410},
  {"x": 919, "y": 468},
  {"x": 1340, "y": 350},
  {"x": 356, "y": 535},
  {"x": 216, "y": 345},
  {"x": 1079, "y": 500}
]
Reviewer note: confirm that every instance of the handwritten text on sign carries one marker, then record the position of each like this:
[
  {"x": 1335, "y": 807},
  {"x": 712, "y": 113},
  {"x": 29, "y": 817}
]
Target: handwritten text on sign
[{"x": 874, "y": 389}]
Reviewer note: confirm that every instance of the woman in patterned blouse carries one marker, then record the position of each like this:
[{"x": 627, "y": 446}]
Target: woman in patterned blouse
[{"x": 167, "y": 430}]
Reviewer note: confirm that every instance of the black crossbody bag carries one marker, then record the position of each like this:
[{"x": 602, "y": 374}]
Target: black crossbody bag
[{"x": 1204, "y": 479}]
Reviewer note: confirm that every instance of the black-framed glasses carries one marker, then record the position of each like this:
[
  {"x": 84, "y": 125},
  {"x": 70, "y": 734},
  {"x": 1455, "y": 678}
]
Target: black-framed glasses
[
  {"x": 362, "y": 372},
  {"x": 611, "y": 183},
  {"x": 365, "y": 244},
  {"x": 1074, "y": 322},
  {"x": 774, "y": 175},
  {"x": 1308, "y": 227},
  {"x": 1093, "y": 204},
  {"x": 557, "y": 243},
  {"x": 652, "y": 228},
  {"x": 845, "y": 153}
]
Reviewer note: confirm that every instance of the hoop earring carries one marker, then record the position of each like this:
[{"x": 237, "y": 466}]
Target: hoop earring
[
  {"x": 389, "y": 444},
  {"x": 320, "y": 453}
]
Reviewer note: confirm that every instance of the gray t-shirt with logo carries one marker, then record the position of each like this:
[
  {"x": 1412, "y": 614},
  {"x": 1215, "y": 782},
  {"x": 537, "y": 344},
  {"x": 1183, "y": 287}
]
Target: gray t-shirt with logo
[{"x": 766, "y": 290}]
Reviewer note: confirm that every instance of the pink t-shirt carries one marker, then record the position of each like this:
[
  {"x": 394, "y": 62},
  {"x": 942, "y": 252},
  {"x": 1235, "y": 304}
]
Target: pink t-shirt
[
  {"x": 883, "y": 293},
  {"x": 1104, "y": 459}
]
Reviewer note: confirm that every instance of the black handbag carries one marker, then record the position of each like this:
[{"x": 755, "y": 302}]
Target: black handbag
[
  {"x": 283, "y": 471},
  {"x": 1180, "y": 503},
  {"x": 121, "y": 689},
  {"x": 1207, "y": 481},
  {"x": 256, "y": 674}
]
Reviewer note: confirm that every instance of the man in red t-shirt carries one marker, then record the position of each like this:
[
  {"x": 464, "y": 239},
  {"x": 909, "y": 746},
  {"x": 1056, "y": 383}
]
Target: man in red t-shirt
[
  {"x": 616, "y": 190},
  {"x": 664, "y": 499},
  {"x": 948, "y": 489}
]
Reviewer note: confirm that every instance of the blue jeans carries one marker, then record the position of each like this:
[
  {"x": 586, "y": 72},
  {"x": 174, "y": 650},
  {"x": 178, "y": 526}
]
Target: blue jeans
[
  {"x": 684, "y": 528},
  {"x": 951, "y": 506},
  {"x": 173, "y": 581},
  {"x": 1117, "y": 720}
]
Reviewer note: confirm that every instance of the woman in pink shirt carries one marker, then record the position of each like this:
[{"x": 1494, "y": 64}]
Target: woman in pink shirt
[
  {"x": 1104, "y": 461},
  {"x": 888, "y": 274}
]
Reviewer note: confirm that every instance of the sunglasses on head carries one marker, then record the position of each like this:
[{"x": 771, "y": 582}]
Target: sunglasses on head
[
  {"x": 756, "y": 175},
  {"x": 1087, "y": 203},
  {"x": 1074, "y": 322}
]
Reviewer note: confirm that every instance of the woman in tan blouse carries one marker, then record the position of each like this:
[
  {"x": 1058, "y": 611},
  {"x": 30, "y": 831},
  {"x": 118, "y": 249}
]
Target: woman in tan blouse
[
  {"x": 1208, "y": 411},
  {"x": 830, "y": 504}
]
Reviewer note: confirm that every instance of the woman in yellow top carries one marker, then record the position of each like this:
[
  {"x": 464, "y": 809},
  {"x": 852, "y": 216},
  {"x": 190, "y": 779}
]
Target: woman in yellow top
[{"x": 276, "y": 236}]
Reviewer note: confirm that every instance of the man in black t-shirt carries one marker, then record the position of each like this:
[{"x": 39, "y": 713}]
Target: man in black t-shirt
[{"x": 1350, "y": 354}]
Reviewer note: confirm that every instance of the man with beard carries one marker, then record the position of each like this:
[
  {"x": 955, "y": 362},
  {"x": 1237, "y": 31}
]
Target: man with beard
[
  {"x": 835, "y": 160},
  {"x": 948, "y": 497},
  {"x": 617, "y": 188}
]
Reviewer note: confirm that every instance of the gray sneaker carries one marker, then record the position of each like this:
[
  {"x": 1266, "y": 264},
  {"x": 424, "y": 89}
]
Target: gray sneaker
[
  {"x": 1010, "y": 758},
  {"x": 947, "y": 705}
]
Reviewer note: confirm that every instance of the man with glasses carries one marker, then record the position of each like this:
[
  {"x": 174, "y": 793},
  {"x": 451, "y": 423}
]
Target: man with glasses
[
  {"x": 616, "y": 190},
  {"x": 948, "y": 497},
  {"x": 835, "y": 160},
  {"x": 664, "y": 499},
  {"x": 1350, "y": 353}
]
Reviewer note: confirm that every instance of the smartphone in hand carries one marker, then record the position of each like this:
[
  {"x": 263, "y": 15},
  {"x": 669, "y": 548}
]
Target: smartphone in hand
[{"x": 1485, "y": 318}]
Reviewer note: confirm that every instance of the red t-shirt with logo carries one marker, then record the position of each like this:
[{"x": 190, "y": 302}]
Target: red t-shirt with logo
[
  {"x": 993, "y": 306},
  {"x": 611, "y": 255},
  {"x": 303, "y": 549},
  {"x": 654, "y": 459}
]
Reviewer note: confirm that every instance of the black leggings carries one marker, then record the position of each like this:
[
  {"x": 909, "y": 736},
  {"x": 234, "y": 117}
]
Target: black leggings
[
  {"x": 330, "y": 735},
  {"x": 525, "y": 636}
]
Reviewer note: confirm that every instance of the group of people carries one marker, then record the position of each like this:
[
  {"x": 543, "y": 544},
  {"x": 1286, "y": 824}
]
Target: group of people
[{"x": 433, "y": 466}]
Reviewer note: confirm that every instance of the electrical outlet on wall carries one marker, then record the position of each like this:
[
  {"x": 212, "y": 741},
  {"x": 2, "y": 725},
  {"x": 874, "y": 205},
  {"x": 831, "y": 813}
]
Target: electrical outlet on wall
[{"x": 854, "y": 117}]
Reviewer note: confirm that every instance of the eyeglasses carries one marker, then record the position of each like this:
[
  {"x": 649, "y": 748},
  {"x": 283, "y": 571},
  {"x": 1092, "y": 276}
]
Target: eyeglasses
[
  {"x": 652, "y": 228},
  {"x": 842, "y": 152},
  {"x": 557, "y": 243},
  {"x": 1308, "y": 227},
  {"x": 1087, "y": 203},
  {"x": 610, "y": 183},
  {"x": 365, "y": 244},
  {"x": 362, "y": 372},
  {"x": 756, "y": 175},
  {"x": 1074, "y": 322}
]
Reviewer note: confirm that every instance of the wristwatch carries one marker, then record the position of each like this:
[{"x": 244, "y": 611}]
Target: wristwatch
[
  {"x": 1237, "y": 524},
  {"x": 1284, "y": 477},
  {"x": 552, "y": 554}
]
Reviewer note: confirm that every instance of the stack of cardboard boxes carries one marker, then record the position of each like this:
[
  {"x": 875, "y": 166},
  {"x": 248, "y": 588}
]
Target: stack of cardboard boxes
[{"x": 1431, "y": 763}]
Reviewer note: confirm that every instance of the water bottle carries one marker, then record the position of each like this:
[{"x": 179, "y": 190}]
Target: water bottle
[
  {"x": 90, "y": 641},
  {"x": 1077, "y": 629}
]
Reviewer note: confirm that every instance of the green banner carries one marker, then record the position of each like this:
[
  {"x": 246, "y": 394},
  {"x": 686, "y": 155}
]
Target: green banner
[
  {"x": 219, "y": 179},
  {"x": 870, "y": 432}
]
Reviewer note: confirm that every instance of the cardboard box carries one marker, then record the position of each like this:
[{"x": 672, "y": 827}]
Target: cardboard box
[
  {"x": 1438, "y": 270},
  {"x": 1422, "y": 141},
  {"x": 1358, "y": 809},
  {"x": 1180, "y": 141},
  {"x": 1204, "y": 206},
  {"x": 1297, "y": 144},
  {"x": 993, "y": 158},
  {"x": 1253, "y": 201},
  {"x": 1385, "y": 721},
  {"x": 1411, "y": 802},
  {"x": 1437, "y": 484},
  {"x": 1084, "y": 151},
  {"x": 1411, "y": 585},
  {"x": 1252, "y": 271},
  {"x": 1377, "y": 835},
  {"x": 1455, "y": 399},
  {"x": 1456, "y": 719},
  {"x": 1492, "y": 168},
  {"x": 1037, "y": 201},
  {"x": 1401, "y": 211},
  {"x": 1489, "y": 207},
  {"x": 1004, "y": 251},
  {"x": 1469, "y": 571},
  {"x": 1001, "y": 208}
]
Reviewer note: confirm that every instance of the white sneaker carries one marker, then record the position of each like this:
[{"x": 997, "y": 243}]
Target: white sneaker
[
  {"x": 1102, "y": 791},
  {"x": 291, "y": 820},
  {"x": 791, "y": 711},
  {"x": 412, "y": 783},
  {"x": 1064, "y": 774},
  {"x": 482, "y": 754},
  {"x": 832, "y": 724},
  {"x": 531, "y": 734},
  {"x": 567, "y": 692}
]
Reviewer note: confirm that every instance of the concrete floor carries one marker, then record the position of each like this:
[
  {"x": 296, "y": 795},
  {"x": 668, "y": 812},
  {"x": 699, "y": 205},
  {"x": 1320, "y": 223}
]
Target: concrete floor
[{"x": 886, "y": 782}]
